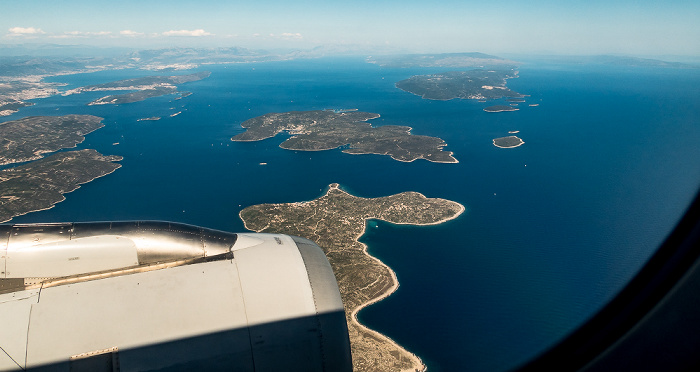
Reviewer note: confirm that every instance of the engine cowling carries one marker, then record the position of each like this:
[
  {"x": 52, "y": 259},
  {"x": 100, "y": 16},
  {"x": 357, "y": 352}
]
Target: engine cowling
[{"x": 135, "y": 296}]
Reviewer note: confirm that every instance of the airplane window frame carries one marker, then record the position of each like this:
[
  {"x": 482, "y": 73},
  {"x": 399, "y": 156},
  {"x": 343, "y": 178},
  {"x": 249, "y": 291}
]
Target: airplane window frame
[{"x": 669, "y": 268}]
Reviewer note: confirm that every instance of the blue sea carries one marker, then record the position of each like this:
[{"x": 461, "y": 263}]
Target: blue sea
[{"x": 552, "y": 229}]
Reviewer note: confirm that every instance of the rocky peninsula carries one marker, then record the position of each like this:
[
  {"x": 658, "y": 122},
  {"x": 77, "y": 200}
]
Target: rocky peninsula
[{"x": 336, "y": 221}]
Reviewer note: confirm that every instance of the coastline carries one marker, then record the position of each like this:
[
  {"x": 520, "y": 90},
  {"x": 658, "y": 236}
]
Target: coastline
[
  {"x": 451, "y": 153},
  {"x": 63, "y": 194},
  {"x": 417, "y": 360},
  {"x": 39, "y": 153},
  {"x": 417, "y": 363},
  {"x": 374, "y": 146},
  {"x": 501, "y": 110},
  {"x": 508, "y": 147}
]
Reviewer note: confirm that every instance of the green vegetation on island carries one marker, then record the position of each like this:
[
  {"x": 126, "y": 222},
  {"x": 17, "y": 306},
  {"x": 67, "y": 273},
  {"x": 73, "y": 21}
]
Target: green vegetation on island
[
  {"x": 325, "y": 130},
  {"x": 41, "y": 184},
  {"x": 335, "y": 221},
  {"x": 31, "y": 137},
  {"x": 500, "y": 108},
  {"x": 507, "y": 142},
  {"x": 474, "y": 84}
]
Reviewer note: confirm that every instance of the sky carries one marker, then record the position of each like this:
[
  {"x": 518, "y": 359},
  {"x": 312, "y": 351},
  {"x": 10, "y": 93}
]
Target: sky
[{"x": 641, "y": 27}]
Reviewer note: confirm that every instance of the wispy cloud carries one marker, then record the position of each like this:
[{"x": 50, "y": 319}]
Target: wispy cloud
[
  {"x": 80, "y": 34},
  {"x": 289, "y": 35},
  {"x": 130, "y": 33},
  {"x": 282, "y": 36},
  {"x": 25, "y": 31},
  {"x": 198, "y": 32}
]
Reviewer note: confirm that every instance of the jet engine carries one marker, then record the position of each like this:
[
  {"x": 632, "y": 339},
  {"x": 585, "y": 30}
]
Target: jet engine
[{"x": 137, "y": 296}]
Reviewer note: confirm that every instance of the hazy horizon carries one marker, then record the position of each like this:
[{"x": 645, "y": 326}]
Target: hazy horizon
[{"x": 641, "y": 28}]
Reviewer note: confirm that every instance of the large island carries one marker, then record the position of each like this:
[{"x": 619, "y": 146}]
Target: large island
[
  {"x": 326, "y": 129},
  {"x": 40, "y": 184},
  {"x": 336, "y": 221},
  {"x": 142, "y": 88},
  {"x": 474, "y": 84},
  {"x": 31, "y": 137},
  {"x": 140, "y": 95}
]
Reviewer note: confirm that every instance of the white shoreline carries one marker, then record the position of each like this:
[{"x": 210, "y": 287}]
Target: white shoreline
[
  {"x": 408, "y": 131},
  {"x": 501, "y": 110},
  {"x": 508, "y": 147}
]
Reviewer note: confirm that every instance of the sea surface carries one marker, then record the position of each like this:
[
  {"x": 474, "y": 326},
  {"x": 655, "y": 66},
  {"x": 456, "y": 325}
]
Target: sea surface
[{"x": 552, "y": 228}]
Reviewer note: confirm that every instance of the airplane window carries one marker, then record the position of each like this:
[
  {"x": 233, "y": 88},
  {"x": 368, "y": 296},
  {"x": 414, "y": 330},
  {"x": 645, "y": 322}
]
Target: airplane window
[{"x": 483, "y": 178}]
